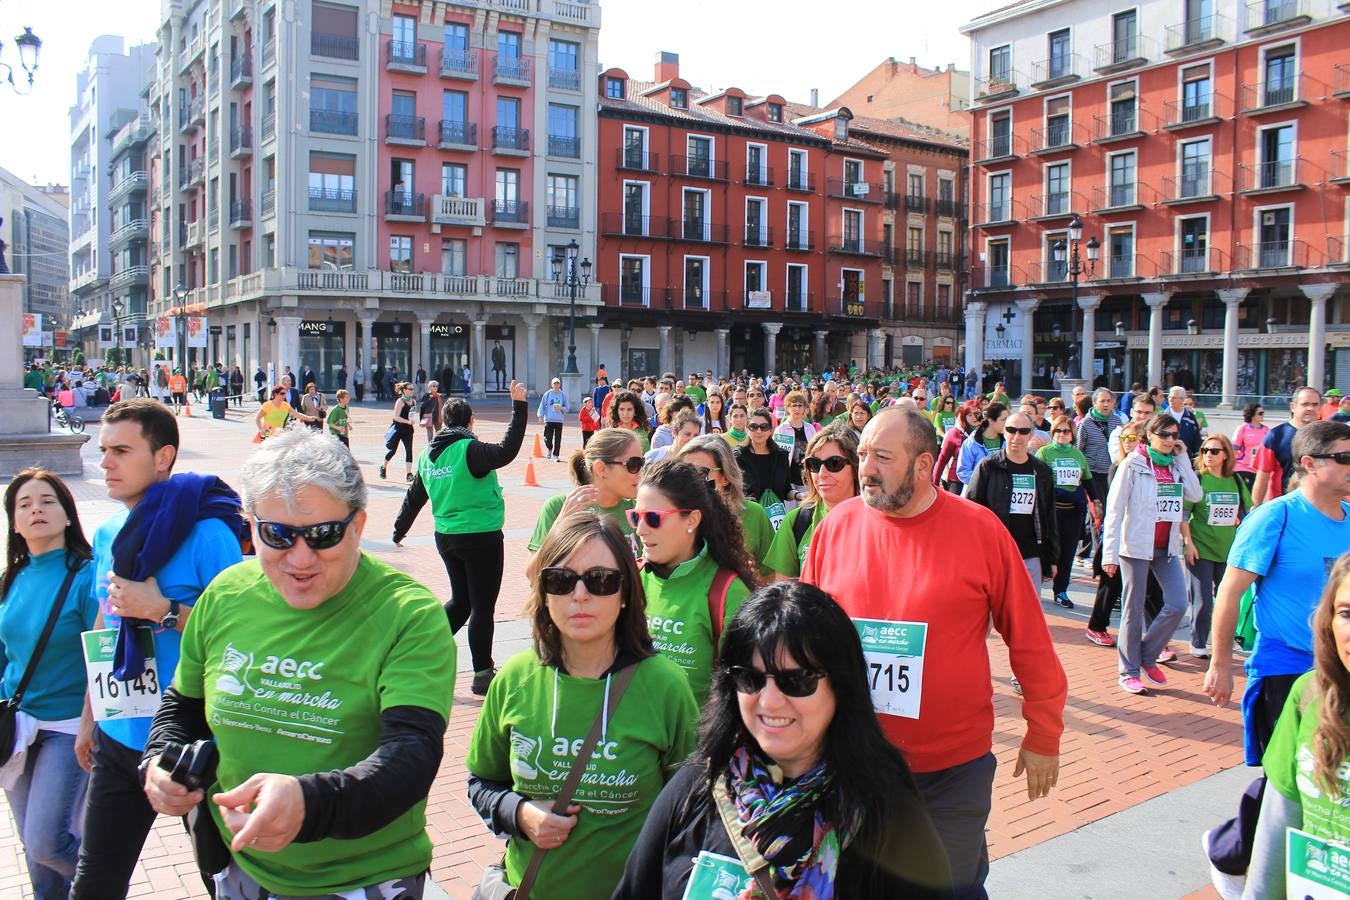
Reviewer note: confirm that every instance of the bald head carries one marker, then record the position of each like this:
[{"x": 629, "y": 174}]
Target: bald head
[{"x": 904, "y": 427}]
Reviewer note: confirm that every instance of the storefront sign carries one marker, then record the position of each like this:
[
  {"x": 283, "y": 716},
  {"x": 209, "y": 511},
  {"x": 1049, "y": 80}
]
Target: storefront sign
[
  {"x": 853, "y": 308},
  {"x": 445, "y": 329},
  {"x": 308, "y": 327},
  {"x": 1004, "y": 332},
  {"x": 1245, "y": 341}
]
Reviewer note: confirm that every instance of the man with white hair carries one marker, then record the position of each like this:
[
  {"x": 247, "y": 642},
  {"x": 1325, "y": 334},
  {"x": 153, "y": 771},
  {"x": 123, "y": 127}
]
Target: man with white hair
[{"x": 1191, "y": 434}]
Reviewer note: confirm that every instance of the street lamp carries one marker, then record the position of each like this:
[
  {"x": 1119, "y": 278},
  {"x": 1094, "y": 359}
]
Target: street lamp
[
  {"x": 1076, "y": 267},
  {"x": 29, "y": 46},
  {"x": 565, "y": 272},
  {"x": 180, "y": 326},
  {"x": 117, "y": 328}
]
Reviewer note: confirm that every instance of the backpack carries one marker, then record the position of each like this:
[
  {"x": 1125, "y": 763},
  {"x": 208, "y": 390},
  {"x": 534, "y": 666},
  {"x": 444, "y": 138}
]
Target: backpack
[{"x": 717, "y": 603}]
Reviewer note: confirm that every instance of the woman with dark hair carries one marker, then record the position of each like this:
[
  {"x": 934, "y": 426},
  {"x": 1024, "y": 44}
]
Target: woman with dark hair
[
  {"x": 791, "y": 771},
  {"x": 713, "y": 417},
  {"x": 47, "y": 566},
  {"x": 765, "y": 466},
  {"x": 831, "y": 466},
  {"x": 588, "y": 625},
  {"x": 429, "y": 409},
  {"x": 458, "y": 474},
  {"x": 968, "y": 418},
  {"x": 986, "y": 438},
  {"x": 697, "y": 572},
  {"x": 664, "y": 435},
  {"x": 401, "y": 427},
  {"x": 716, "y": 462},
  {"x": 944, "y": 415},
  {"x": 859, "y": 414},
  {"x": 628, "y": 412},
  {"x": 1247, "y": 440}
]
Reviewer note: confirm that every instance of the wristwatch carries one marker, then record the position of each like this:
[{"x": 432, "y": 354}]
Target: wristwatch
[{"x": 170, "y": 620}]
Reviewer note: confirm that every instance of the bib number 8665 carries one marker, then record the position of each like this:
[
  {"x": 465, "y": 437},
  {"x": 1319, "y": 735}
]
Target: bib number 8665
[{"x": 890, "y": 677}]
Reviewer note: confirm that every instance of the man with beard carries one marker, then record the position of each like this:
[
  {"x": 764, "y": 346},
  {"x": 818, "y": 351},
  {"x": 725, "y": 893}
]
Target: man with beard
[{"x": 928, "y": 662}]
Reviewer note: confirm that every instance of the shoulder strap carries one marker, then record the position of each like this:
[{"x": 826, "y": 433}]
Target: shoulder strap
[
  {"x": 749, "y": 855},
  {"x": 564, "y": 796},
  {"x": 717, "y": 605},
  {"x": 800, "y": 522},
  {"x": 46, "y": 635}
]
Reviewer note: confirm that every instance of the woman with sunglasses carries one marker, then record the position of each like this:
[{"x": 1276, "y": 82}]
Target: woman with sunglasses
[
  {"x": 272, "y": 415},
  {"x": 791, "y": 767},
  {"x": 714, "y": 460},
  {"x": 402, "y": 426},
  {"x": 793, "y": 434},
  {"x": 47, "y": 564},
  {"x": 831, "y": 478},
  {"x": 627, "y": 412},
  {"x": 588, "y": 624},
  {"x": 765, "y": 466},
  {"x": 1073, "y": 492},
  {"x": 985, "y": 439},
  {"x": 325, "y": 678},
  {"x": 695, "y": 565},
  {"x": 1247, "y": 440},
  {"x": 944, "y": 416},
  {"x": 1208, "y": 530},
  {"x": 968, "y": 418},
  {"x": 1142, "y": 534},
  {"x": 713, "y": 417}
]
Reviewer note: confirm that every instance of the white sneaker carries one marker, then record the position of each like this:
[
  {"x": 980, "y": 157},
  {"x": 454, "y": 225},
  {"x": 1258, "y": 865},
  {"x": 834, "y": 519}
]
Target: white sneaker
[
  {"x": 1200, "y": 652},
  {"x": 1230, "y": 887}
]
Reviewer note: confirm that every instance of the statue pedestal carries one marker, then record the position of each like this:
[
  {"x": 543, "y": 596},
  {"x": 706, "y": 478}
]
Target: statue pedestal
[{"x": 1066, "y": 386}]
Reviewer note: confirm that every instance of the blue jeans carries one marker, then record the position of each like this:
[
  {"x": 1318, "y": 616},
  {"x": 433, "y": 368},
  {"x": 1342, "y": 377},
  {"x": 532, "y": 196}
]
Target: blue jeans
[{"x": 47, "y": 802}]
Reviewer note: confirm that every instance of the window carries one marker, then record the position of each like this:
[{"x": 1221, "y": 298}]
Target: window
[
  {"x": 1280, "y": 84},
  {"x": 508, "y": 45},
  {"x": 946, "y": 190},
  {"x": 1000, "y": 65},
  {"x": 799, "y": 235},
  {"x": 853, "y": 174},
  {"x": 1123, "y": 108},
  {"x": 1199, "y": 20},
  {"x": 840, "y": 128},
  {"x": 561, "y": 194},
  {"x": 679, "y": 98},
  {"x": 614, "y": 88},
  {"x": 403, "y": 44},
  {"x": 562, "y": 131},
  {"x": 1122, "y": 168},
  {"x": 1056, "y": 122},
  {"x": 400, "y": 253},
  {"x": 1195, "y": 157},
  {"x": 797, "y": 299},
  {"x": 508, "y": 115},
  {"x": 635, "y": 148},
  {"x": 696, "y": 224},
  {"x": 456, "y": 37},
  {"x": 797, "y": 172},
  {"x": 1276, "y": 146},
  {"x": 756, "y": 278},
  {"x": 913, "y": 299},
  {"x": 755, "y": 170},
  {"x": 1124, "y": 36},
  {"x": 944, "y": 299},
  {"x": 997, "y": 254},
  {"x": 1061, "y": 61},
  {"x": 1056, "y": 257},
  {"x": 756, "y": 222},
  {"x": 454, "y": 179},
  {"x": 327, "y": 250},
  {"x": 635, "y": 207},
  {"x": 853, "y": 229},
  {"x": 1120, "y": 251},
  {"x": 508, "y": 259},
  {"x": 633, "y": 280},
  {"x": 1000, "y": 197},
  {"x": 332, "y": 105},
  {"x": 915, "y": 184},
  {"x": 454, "y": 252},
  {"x": 1056, "y": 190},
  {"x": 508, "y": 186},
  {"x": 944, "y": 250},
  {"x": 1275, "y": 226},
  {"x": 735, "y": 106},
  {"x": 562, "y": 64},
  {"x": 696, "y": 282},
  {"x": 334, "y": 31},
  {"x": 914, "y": 246},
  {"x": 775, "y": 112},
  {"x": 332, "y": 183},
  {"x": 699, "y": 161},
  {"x": 401, "y": 185},
  {"x": 1000, "y": 134},
  {"x": 1196, "y": 93},
  {"x": 1194, "y": 241},
  {"x": 454, "y": 106}
]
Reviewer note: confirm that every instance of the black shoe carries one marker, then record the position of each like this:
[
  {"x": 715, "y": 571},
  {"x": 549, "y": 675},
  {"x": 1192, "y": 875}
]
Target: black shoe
[
  {"x": 481, "y": 680},
  {"x": 381, "y": 471},
  {"x": 410, "y": 478}
]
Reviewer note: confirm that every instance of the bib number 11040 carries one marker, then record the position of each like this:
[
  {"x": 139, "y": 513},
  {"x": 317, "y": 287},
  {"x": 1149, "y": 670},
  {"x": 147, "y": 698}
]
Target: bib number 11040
[{"x": 894, "y": 655}]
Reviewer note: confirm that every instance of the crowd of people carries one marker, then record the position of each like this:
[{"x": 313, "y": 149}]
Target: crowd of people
[{"x": 714, "y": 697}]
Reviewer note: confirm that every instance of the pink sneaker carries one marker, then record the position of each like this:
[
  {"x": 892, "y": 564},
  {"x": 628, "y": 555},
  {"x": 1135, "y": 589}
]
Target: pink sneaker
[
  {"x": 1167, "y": 656},
  {"x": 1100, "y": 638},
  {"x": 1130, "y": 684},
  {"x": 1154, "y": 675}
]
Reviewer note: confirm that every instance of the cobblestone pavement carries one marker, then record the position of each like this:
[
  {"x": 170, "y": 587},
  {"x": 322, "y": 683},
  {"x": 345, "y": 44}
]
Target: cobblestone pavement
[{"x": 1117, "y": 750}]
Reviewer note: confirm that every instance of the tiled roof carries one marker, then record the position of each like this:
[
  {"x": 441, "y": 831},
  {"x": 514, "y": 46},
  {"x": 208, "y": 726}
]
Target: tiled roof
[
  {"x": 636, "y": 101},
  {"x": 892, "y": 128}
]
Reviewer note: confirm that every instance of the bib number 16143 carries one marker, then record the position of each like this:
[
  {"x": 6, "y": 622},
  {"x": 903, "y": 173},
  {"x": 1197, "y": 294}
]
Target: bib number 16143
[
  {"x": 894, "y": 655},
  {"x": 109, "y": 697}
]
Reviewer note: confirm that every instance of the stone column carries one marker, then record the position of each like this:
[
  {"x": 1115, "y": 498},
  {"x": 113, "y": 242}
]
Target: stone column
[
  {"x": 478, "y": 357},
  {"x": 1028, "y": 310},
  {"x": 663, "y": 349},
  {"x": 595, "y": 356},
  {"x": 532, "y": 323},
  {"x": 1318, "y": 295},
  {"x": 1156, "y": 302},
  {"x": 876, "y": 346},
  {"x": 1232, "y": 300},
  {"x": 1088, "y": 351},
  {"x": 424, "y": 350},
  {"x": 818, "y": 360},
  {"x": 723, "y": 359},
  {"x": 771, "y": 330},
  {"x": 363, "y": 347},
  {"x": 975, "y": 311},
  {"x": 286, "y": 349}
]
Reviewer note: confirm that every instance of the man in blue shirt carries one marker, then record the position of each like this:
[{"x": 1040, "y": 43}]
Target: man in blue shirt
[
  {"x": 552, "y": 411},
  {"x": 139, "y": 442},
  {"x": 1285, "y": 548}
]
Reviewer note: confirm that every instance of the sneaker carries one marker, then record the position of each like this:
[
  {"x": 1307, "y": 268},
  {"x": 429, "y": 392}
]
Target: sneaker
[
  {"x": 1100, "y": 638},
  {"x": 1154, "y": 675},
  {"x": 481, "y": 680},
  {"x": 1131, "y": 685},
  {"x": 1017, "y": 687},
  {"x": 1063, "y": 600},
  {"x": 410, "y": 478},
  {"x": 1230, "y": 887},
  {"x": 381, "y": 471},
  {"x": 1200, "y": 652},
  {"x": 1167, "y": 656}
]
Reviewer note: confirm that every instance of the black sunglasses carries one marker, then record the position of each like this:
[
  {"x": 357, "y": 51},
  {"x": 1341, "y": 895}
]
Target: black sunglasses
[
  {"x": 1210, "y": 451},
  {"x": 633, "y": 464},
  {"x": 1166, "y": 435},
  {"x": 759, "y": 427},
  {"x": 792, "y": 682},
  {"x": 834, "y": 463},
  {"x": 1013, "y": 429},
  {"x": 561, "y": 581},
  {"x": 320, "y": 536},
  {"x": 705, "y": 471},
  {"x": 1343, "y": 457}
]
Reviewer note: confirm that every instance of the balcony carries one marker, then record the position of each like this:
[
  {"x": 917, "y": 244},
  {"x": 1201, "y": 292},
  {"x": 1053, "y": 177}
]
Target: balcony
[
  {"x": 857, "y": 191},
  {"x": 999, "y": 86},
  {"x": 133, "y": 183},
  {"x": 135, "y": 132},
  {"x": 510, "y": 141},
  {"x": 635, "y": 295},
  {"x": 800, "y": 239},
  {"x": 405, "y": 56},
  {"x": 633, "y": 225},
  {"x": 509, "y": 71},
  {"x": 916, "y": 203},
  {"x": 1123, "y": 54},
  {"x": 1179, "y": 115},
  {"x": 1281, "y": 94},
  {"x": 1058, "y": 137},
  {"x": 1123, "y": 196},
  {"x": 457, "y": 135},
  {"x": 1338, "y": 253},
  {"x": 1340, "y": 167},
  {"x": 1195, "y": 35},
  {"x": 1191, "y": 187},
  {"x": 192, "y": 52},
  {"x": 336, "y": 46},
  {"x": 930, "y": 313},
  {"x": 567, "y": 147},
  {"x": 328, "y": 121},
  {"x": 241, "y": 214},
  {"x": 241, "y": 72},
  {"x": 697, "y": 299},
  {"x": 190, "y": 114},
  {"x": 241, "y": 142},
  {"x": 213, "y": 219},
  {"x": 854, "y": 307},
  {"x": 405, "y": 131},
  {"x": 511, "y": 213},
  {"x": 997, "y": 149},
  {"x": 946, "y": 260},
  {"x": 1060, "y": 69},
  {"x": 915, "y": 258},
  {"x": 135, "y": 230},
  {"x": 1122, "y": 125},
  {"x": 564, "y": 79},
  {"x": 269, "y": 202},
  {"x": 854, "y": 245},
  {"x": 1056, "y": 205},
  {"x": 699, "y": 231},
  {"x": 564, "y": 217},
  {"x": 1270, "y": 16},
  {"x": 1270, "y": 177},
  {"x": 948, "y": 207},
  {"x": 637, "y": 159},
  {"x": 269, "y": 126},
  {"x": 699, "y": 167},
  {"x": 194, "y": 234},
  {"x": 1004, "y": 212},
  {"x": 461, "y": 64},
  {"x": 405, "y": 206},
  {"x": 238, "y": 9},
  {"x": 1125, "y": 267},
  {"x": 190, "y": 175},
  {"x": 1048, "y": 272},
  {"x": 577, "y": 12},
  {"x": 758, "y": 236},
  {"x": 269, "y": 53},
  {"x": 133, "y": 276},
  {"x": 329, "y": 200},
  {"x": 760, "y": 177},
  {"x": 801, "y": 182},
  {"x": 1268, "y": 255}
]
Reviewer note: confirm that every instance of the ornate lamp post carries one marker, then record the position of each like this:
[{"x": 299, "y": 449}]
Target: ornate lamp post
[
  {"x": 30, "y": 46},
  {"x": 566, "y": 271},
  {"x": 117, "y": 329},
  {"x": 1078, "y": 267},
  {"x": 180, "y": 294}
]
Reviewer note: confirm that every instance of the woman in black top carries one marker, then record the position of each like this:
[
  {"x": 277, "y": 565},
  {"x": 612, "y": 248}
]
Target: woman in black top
[
  {"x": 823, "y": 799},
  {"x": 403, "y": 428},
  {"x": 764, "y": 465}
]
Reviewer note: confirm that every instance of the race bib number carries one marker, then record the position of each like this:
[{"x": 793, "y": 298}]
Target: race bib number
[
  {"x": 784, "y": 440},
  {"x": 1223, "y": 507},
  {"x": 1169, "y": 503},
  {"x": 109, "y": 697},
  {"x": 718, "y": 877},
  {"x": 1315, "y": 869},
  {"x": 1023, "y": 494},
  {"x": 1067, "y": 473},
  {"x": 894, "y": 655}
]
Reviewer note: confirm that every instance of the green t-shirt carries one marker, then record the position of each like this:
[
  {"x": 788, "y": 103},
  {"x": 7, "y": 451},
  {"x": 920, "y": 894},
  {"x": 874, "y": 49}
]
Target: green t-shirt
[
  {"x": 553, "y": 505},
  {"x": 1223, "y": 499},
  {"x": 1068, "y": 464},
  {"x": 535, "y": 718},
  {"x": 944, "y": 422},
  {"x": 757, "y": 531},
  {"x": 698, "y": 393},
  {"x": 298, "y": 691},
  {"x": 785, "y": 556},
  {"x": 338, "y": 420},
  {"x": 35, "y": 380},
  {"x": 1292, "y": 769},
  {"x": 461, "y": 502},
  {"x": 679, "y": 620}
]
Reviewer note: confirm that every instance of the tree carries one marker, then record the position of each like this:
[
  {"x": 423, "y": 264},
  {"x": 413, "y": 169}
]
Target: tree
[
  {"x": 77, "y": 357},
  {"x": 114, "y": 357}
]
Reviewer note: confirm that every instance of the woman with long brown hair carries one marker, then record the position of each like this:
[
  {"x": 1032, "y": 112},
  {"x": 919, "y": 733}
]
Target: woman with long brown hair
[{"x": 1208, "y": 529}]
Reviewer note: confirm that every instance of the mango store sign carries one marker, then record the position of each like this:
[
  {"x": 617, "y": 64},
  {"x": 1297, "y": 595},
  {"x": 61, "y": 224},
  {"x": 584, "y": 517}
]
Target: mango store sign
[{"x": 1009, "y": 342}]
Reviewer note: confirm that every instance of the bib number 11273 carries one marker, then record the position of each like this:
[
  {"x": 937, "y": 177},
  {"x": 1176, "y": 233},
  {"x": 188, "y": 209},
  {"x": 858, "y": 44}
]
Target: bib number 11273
[{"x": 894, "y": 655}]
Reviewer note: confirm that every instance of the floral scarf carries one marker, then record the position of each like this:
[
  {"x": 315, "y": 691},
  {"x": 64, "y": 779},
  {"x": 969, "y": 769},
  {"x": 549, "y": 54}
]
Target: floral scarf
[{"x": 785, "y": 823}]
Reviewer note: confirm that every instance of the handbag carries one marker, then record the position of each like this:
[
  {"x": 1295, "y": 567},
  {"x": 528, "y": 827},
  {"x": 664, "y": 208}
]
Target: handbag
[
  {"x": 494, "y": 885},
  {"x": 9, "y": 709}
]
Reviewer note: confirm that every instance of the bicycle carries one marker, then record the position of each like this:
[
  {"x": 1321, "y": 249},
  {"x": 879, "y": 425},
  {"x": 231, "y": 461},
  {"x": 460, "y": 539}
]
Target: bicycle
[{"x": 67, "y": 420}]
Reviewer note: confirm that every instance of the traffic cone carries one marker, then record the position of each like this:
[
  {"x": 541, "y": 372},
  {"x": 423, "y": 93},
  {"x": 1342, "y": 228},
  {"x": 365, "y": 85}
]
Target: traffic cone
[
  {"x": 538, "y": 448},
  {"x": 530, "y": 480},
  {"x": 187, "y": 405}
]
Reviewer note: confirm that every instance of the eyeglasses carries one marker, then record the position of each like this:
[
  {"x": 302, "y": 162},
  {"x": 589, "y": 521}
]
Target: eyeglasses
[
  {"x": 633, "y": 464},
  {"x": 1343, "y": 457},
  {"x": 1063, "y": 431},
  {"x": 559, "y": 580},
  {"x": 320, "y": 536},
  {"x": 653, "y": 517},
  {"x": 1210, "y": 451},
  {"x": 1013, "y": 429},
  {"x": 1166, "y": 435},
  {"x": 792, "y": 682},
  {"x": 1129, "y": 438},
  {"x": 705, "y": 471},
  {"x": 833, "y": 463},
  {"x": 759, "y": 427}
]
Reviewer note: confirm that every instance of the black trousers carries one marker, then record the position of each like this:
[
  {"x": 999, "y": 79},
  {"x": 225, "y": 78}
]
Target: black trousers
[
  {"x": 403, "y": 435},
  {"x": 553, "y": 438},
  {"x": 1070, "y": 523},
  {"x": 474, "y": 563},
  {"x": 959, "y": 800},
  {"x": 360, "y": 391}
]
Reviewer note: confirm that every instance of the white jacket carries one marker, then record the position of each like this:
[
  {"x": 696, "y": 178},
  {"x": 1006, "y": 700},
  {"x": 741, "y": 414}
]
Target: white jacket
[{"x": 1132, "y": 508}]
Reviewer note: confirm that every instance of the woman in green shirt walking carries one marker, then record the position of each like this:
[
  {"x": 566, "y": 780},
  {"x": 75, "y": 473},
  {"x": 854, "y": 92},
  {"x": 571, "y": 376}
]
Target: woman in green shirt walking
[
  {"x": 1208, "y": 527},
  {"x": 831, "y": 466},
  {"x": 1074, "y": 496},
  {"x": 712, "y": 456}
]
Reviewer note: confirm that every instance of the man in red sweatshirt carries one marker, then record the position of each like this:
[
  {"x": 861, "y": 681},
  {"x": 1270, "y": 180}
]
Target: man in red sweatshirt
[{"x": 924, "y": 631}]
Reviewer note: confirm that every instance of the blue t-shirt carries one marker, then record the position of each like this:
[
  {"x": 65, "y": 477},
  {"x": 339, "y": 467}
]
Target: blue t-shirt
[
  {"x": 1291, "y": 545},
  {"x": 1280, "y": 441},
  {"x": 208, "y": 550},
  {"x": 56, "y": 690}
]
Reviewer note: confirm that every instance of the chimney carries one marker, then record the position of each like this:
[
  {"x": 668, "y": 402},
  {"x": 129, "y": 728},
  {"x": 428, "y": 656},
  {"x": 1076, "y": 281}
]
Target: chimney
[
  {"x": 815, "y": 97},
  {"x": 667, "y": 66},
  {"x": 951, "y": 66},
  {"x": 912, "y": 61}
]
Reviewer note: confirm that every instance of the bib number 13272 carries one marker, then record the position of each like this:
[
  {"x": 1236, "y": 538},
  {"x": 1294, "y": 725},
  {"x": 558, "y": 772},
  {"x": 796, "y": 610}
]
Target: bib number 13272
[{"x": 894, "y": 655}]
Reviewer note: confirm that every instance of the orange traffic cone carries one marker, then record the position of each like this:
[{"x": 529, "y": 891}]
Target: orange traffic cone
[
  {"x": 187, "y": 406},
  {"x": 530, "y": 480},
  {"x": 538, "y": 448}
]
